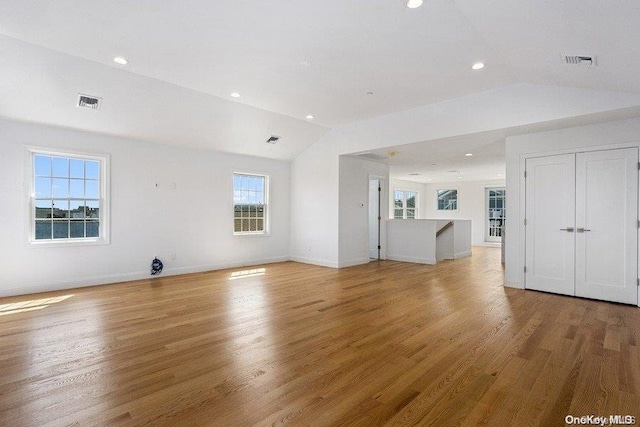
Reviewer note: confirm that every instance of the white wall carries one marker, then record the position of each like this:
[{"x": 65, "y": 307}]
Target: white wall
[
  {"x": 194, "y": 221},
  {"x": 614, "y": 134},
  {"x": 315, "y": 173},
  {"x": 354, "y": 211},
  {"x": 399, "y": 184},
  {"x": 471, "y": 205}
]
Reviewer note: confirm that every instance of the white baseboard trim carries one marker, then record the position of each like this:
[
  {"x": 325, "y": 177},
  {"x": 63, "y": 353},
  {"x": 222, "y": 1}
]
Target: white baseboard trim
[
  {"x": 353, "y": 262},
  {"x": 462, "y": 255},
  {"x": 416, "y": 260},
  {"x": 510, "y": 284},
  {"x": 84, "y": 282},
  {"x": 314, "y": 261},
  {"x": 488, "y": 244}
]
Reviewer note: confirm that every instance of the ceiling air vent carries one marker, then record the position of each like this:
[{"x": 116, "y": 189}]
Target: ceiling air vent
[
  {"x": 372, "y": 156},
  {"x": 581, "y": 60},
  {"x": 88, "y": 101},
  {"x": 272, "y": 139}
]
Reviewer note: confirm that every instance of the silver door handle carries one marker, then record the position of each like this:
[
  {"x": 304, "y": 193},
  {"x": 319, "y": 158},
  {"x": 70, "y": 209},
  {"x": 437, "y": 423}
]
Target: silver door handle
[
  {"x": 582, "y": 230},
  {"x": 568, "y": 229}
]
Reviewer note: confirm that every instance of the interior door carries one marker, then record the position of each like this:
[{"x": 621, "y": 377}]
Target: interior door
[
  {"x": 606, "y": 221},
  {"x": 550, "y": 216}
]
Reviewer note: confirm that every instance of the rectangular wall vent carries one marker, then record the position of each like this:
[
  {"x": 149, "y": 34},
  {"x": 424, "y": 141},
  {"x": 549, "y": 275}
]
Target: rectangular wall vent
[
  {"x": 88, "y": 101},
  {"x": 272, "y": 139},
  {"x": 581, "y": 60}
]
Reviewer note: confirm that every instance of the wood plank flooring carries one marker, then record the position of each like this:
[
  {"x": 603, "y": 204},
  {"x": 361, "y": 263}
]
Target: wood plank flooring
[{"x": 387, "y": 343}]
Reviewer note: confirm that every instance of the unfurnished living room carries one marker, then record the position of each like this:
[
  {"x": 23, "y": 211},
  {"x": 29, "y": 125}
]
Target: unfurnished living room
[{"x": 336, "y": 213}]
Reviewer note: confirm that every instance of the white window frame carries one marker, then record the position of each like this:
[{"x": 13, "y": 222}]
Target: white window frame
[
  {"x": 457, "y": 199},
  {"x": 404, "y": 202},
  {"x": 266, "y": 206},
  {"x": 104, "y": 212}
]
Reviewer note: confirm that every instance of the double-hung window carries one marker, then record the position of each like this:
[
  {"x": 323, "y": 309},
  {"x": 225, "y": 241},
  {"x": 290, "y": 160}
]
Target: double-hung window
[
  {"x": 250, "y": 203},
  {"x": 404, "y": 204},
  {"x": 68, "y": 200}
]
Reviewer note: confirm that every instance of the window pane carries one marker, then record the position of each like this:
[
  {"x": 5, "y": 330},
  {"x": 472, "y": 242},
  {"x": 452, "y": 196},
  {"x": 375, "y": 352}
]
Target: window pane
[
  {"x": 42, "y": 165},
  {"x": 93, "y": 229},
  {"x": 253, "y": 225},
  {"x": 43, "y": 187},
  {"x": 60, "y": 187},
  {"x": 92, "y": 209},
  {"x": 411, "y": 214},
  {"x": 76, "y": 168},
  {"x": 43, "y": 209},
  {"x": 60, "y": 209},
  {"x": 237, "y": 225},
  {"x": 76, "y": 188},
  {"x": 411, "y": 200},
  {"x": 448, "y": 199},
  {"x": 245, "y": 224},
  {"x": 76, "y": 209},
  {"x": 43, "y": 230},
  {"x": 92, "y": 189},
  {"x": 60, "y": 229},
  {"x": 60, "y": 167},
  {"x": 92, "y": 169},
  {"x": 397, "y": 213},
  {"x": 77, "y": 229}
]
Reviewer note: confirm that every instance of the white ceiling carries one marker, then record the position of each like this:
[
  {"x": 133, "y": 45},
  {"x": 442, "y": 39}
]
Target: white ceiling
[
  {"x": 445, "y": 160},
  {"x": 186, "y": 57}
]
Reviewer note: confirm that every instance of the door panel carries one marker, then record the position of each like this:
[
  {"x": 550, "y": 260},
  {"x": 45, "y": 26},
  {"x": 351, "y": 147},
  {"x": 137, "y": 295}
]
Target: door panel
[
  {"x": 606, "y": 208},
  {"x": 550, "y": 207}
]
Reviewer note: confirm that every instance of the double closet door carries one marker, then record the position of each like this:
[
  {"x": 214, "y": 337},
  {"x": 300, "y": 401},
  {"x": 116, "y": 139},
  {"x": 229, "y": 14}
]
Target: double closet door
[{"x": 582, "y": 224}]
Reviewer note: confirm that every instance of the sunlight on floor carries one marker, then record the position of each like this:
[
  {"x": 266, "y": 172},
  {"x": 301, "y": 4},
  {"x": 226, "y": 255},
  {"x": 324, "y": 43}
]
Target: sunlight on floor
[
  {"x": 247, "y": 273},
  {"x": 30, "y": 305}
]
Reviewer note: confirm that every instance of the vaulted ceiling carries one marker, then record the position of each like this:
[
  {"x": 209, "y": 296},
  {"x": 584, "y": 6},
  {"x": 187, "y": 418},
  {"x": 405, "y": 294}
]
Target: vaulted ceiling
[{"x": 342, "y": 61}]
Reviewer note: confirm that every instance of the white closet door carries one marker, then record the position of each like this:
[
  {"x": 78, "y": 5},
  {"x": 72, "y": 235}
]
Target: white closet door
[
  {"x": 550, "y": 213},
  {"x": 606, "y": 221}
]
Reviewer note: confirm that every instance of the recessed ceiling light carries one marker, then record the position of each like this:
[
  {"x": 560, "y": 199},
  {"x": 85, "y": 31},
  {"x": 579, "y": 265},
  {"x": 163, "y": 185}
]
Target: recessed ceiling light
[
  {"x": 478, "y": 66},
  {"x": 412, "y": 4},
  {"x": 305, "y": 63},
  {"x": 235, "y": 95},
  {"x": 120, "y": 60},
  {"x": 468, "y": 154},
  {"x": 310, "y": 116}
]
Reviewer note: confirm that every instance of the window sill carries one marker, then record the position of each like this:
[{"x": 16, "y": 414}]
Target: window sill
[
  {"x": 252, "y": 234},
  {"x": 63, "y": 243}
]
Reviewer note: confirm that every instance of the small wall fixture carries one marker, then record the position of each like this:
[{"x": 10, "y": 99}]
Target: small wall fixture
[
  {"x": 120, "y": 60},
  {"x": 272, "y": 139},
  {"x": 412, "y": 4},
  {"x": 478, "y": 66}
]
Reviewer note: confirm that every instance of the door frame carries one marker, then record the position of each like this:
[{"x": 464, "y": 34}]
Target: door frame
[{"x": 522, "y": 199}]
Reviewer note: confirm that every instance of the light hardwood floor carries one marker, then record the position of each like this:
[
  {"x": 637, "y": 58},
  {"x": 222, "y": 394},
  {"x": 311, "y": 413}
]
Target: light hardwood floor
[{"x": 387, "y": 343}]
